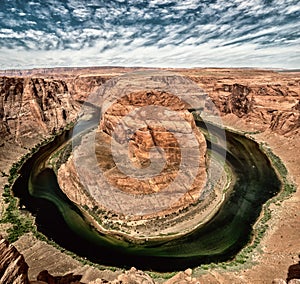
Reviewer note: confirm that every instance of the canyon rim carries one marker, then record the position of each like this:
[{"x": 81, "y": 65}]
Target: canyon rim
[{"x": 264, "y": 105}]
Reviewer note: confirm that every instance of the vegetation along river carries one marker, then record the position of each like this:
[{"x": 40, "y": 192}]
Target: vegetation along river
[{"x": 218, "y": 240}]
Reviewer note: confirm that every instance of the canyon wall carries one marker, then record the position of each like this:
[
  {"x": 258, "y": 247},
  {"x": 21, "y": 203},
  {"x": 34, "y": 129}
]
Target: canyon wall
[
  {"x": 266, "y": 100},
  {"x": 33, "y": 106},
  {"x": 37, "y": 104},
  {"x": 13, "y": 268}
]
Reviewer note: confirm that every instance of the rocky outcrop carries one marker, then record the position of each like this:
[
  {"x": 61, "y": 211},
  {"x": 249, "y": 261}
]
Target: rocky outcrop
[
  {"x": 152, "y": 130},
  {"x": 294, "y": 272},
  {"x": 265, "y": 99},
  {"x": 184, "y": 277},
  {"x": 238, "y": 102},
  {"x": 133, "y": 276},
  {"x": 174, "y": 124},
  {"x": 80, "y": 87},
  {"x": 45, "y": 277},
  {"x": 272, "y": 108},
  {"x": 31, "y": 108},
  {"x": 149, "y": 135},
  {"x": 13, "y": 268},
  {"x": 36, "y": 106}
]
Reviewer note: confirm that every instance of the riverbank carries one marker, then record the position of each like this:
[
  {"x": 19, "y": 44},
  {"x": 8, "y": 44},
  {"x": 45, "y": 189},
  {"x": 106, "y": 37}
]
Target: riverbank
[
  {"x": 238, "y": 212},
  {"x": 152, "y": 228},
  {"x": 280, "y": 246},
  {"x": 255, "y": 252}
]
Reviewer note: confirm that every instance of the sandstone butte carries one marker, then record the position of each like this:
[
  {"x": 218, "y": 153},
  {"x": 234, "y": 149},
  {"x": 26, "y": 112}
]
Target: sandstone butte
[{"x": 38, "y": 103}]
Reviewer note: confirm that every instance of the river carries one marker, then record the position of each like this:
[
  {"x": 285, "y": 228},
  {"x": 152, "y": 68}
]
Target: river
[{"x": 218, "y": 240}]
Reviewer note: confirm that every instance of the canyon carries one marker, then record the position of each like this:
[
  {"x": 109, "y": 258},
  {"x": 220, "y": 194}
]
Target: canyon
[{"x": 36, "y": 104}]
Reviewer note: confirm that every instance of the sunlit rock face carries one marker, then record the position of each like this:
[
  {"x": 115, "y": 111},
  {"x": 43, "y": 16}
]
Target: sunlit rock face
[
  {"x": 13, "y": 268},
  {"x": 172, "y": 113},
  {"x": 147, "y": 158},
  {"x": 34, "y": 107},
  {"x": 151, "y": 159},
  {"x": 264, "y": 100}
]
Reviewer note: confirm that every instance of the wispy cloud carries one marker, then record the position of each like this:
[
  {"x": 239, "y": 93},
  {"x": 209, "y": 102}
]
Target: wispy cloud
[{"x": 150, "y": 33}]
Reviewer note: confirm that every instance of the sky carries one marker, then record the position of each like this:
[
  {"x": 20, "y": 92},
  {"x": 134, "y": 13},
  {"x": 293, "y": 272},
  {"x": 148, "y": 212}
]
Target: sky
[{"x": 153, "y": 33}]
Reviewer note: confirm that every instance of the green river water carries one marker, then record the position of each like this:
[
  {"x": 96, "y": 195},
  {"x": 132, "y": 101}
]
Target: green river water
[{"x": 218, "y": 240}]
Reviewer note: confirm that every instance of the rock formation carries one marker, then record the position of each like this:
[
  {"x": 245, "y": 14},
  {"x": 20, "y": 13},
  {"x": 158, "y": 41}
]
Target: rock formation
[
  {"x": 148, "y": 136},
  {"x": 294, "y": 271},
  {"x": 282, "y": 115},
  {"x": 13, "y": 268},
  {"x": 37, "y": 103},
  {"x": 45, "y": 277},
  {"x": 34, "y": 105},
  {"x": 267, "y": 99},
  {"x": 133, "y": 276}
]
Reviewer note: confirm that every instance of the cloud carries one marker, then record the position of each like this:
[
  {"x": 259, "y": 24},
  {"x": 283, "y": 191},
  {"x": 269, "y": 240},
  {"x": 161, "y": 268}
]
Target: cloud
[{"x": 156, "y": 32}]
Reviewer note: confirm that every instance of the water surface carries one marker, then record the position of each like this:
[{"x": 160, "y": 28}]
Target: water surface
[{"x": 218, "y": 240}]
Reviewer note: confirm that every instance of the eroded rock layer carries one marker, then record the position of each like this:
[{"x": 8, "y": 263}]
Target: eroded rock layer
[
  {"x": 149, "y": 136},
  {"x": 13, "y": 268},
  {"x": 264, "y": 101},
  {"x": 34, "y": 105}
]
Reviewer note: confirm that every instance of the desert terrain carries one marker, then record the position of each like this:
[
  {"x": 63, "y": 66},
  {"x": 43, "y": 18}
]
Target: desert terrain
[{"x": 263, "y": 104}]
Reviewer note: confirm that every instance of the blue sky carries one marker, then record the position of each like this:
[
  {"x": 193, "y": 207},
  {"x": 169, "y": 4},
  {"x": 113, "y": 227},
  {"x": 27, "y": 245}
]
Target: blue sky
[{"x": 154, "y": 33}]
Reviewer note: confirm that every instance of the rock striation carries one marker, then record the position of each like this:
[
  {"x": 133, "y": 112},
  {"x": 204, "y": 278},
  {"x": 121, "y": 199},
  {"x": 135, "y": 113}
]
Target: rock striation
[
  {"x": 13, "y": 268},
  {"x": 148, "y": 136},
  {"x": 37, "y": 103},
  {"x": 267, "y": 99},
  {"x": 279, "y": 112},
  {"x": 34, "y": 105}
]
